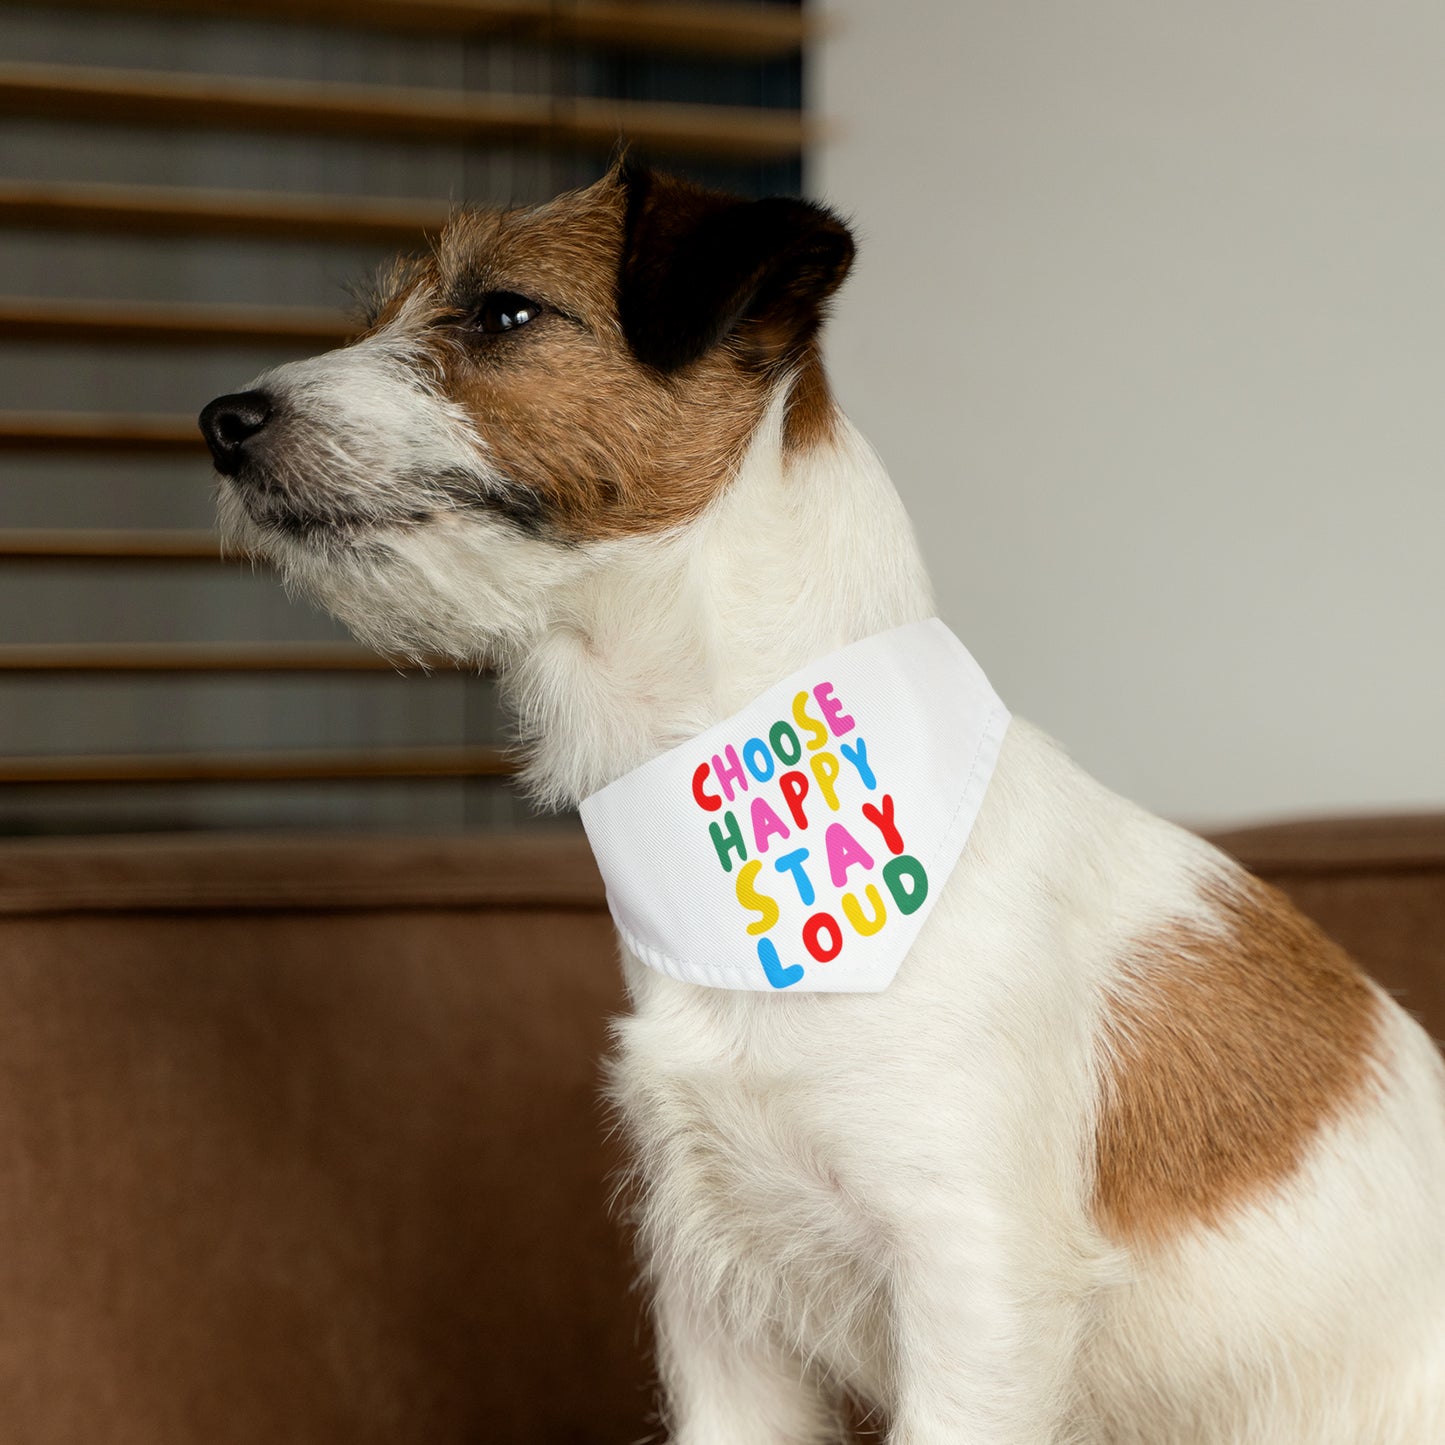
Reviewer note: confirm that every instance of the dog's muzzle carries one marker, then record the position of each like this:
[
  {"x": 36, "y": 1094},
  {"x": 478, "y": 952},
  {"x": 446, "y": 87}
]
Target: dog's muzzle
[{"x": 230, "y": 422}]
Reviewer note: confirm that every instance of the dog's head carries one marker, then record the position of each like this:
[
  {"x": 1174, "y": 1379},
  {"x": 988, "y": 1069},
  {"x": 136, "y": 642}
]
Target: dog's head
[{"x": 547, "y": 383}]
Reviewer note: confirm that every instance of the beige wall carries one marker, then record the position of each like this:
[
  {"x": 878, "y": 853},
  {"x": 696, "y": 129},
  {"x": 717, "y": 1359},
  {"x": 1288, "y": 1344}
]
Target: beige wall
[{"x": 1149, "y": 324}]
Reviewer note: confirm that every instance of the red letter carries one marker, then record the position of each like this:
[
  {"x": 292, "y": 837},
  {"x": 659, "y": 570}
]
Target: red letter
[
  {"x": 882, "y": 819},
  {"x": 707, "y": 801},
  {"x": 795, "y": 789},
  {"x": 823, "y": 923}
]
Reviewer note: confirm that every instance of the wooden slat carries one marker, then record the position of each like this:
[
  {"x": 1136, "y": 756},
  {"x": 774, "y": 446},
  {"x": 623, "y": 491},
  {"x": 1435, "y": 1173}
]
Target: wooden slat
[
  {"x": 711, "y": 29},
  {"x": 218, "y": 102},
  {"x": 177, "y": 211},
  {"x": 550, "y": 868},
  {"x": 171, "y": 323},
  {"x": 259, "y": 767},
  {"x": 75, "y": 544},
  {"x": 79, "y": 431},
  {"x": 753, "y": 32},
  {"x": 199, "y": 657}
]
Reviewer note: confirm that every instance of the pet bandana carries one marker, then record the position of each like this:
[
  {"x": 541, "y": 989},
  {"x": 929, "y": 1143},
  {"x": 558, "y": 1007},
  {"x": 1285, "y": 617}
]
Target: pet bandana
[{"x": 802, "y": 843}]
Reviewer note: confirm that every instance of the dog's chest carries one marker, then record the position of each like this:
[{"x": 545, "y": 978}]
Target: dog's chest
[{"x": 746, "y": 1185}]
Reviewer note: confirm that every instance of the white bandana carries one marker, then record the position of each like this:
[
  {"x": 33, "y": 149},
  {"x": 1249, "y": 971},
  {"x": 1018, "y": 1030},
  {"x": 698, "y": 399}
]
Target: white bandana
[{"x": 801, "y": 844}]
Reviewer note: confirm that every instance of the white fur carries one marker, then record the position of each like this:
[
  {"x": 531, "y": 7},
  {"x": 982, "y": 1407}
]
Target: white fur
[{"x": 890, "y": 1194}]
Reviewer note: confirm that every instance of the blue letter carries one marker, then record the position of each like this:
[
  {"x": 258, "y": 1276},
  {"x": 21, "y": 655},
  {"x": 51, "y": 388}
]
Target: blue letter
[
  {"x": 778, "y": 976},
  {"x": 793, "y": 863},
  {"x": 859, "y": 758}
]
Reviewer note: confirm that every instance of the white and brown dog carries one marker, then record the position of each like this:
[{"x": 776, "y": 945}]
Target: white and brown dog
[{"x": 1128, "y": 1152}]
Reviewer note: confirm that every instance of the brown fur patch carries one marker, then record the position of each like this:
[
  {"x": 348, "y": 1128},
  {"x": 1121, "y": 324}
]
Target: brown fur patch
[
  {"x": 1226, "y": 1053},
  {"x": 605, "y": 446},
  {"x": 812, "y": 413}
]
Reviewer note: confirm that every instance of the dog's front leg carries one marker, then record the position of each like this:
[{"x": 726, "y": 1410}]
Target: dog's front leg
[
  {"x": 723, "y": 1388},
  {"x": 984, "y": 1350}
]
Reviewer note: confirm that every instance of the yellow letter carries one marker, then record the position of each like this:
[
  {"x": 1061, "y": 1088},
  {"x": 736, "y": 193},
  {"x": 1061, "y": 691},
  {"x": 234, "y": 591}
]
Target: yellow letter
[
  {"x": 853, "y": 912},
  {"x": 760, "y": 903},
  {"x": 826, "y": 768},
  {"x": 809, "y": 724}
]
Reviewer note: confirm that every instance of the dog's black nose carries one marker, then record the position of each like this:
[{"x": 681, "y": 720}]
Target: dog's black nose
[{"x": 229, "y": 422}]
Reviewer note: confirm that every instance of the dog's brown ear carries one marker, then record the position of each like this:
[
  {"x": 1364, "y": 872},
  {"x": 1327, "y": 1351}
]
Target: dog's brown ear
[{"x": 699, "y": 266}]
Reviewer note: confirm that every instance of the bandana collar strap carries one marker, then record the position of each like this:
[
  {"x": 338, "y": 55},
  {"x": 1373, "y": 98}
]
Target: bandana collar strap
[{"x": 802, "y": 843}]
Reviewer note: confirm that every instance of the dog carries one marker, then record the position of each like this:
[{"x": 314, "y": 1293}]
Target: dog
[{"x": 1127, "y": 1151}]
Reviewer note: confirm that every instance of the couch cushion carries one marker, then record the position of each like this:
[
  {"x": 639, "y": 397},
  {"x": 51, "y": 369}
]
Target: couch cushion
[{"x": 303, "y": 1142}]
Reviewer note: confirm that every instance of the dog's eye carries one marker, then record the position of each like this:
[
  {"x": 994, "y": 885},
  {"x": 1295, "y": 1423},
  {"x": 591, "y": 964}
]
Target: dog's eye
[{"x": 504, "y": 311}]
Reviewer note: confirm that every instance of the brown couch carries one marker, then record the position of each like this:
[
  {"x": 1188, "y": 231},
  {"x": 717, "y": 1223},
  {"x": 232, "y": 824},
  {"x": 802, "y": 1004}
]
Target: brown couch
[{"x": 300, "y": 1140}]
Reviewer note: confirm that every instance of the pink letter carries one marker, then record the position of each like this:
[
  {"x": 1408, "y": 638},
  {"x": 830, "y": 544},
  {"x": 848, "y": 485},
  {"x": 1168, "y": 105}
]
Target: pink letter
[
  {"x": 731, "y": 772},
  {"x": 838, "y": 720},
  {"x": 765, "y": 824},
  {"x": 844, "y": 852}
]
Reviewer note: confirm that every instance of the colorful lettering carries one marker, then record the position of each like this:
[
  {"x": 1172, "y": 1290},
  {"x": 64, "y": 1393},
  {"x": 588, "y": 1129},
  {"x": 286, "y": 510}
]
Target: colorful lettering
[
  {"x": 777, "y": 975},
  {"x": 844, "y": 852},
  {"x": 858, "y": 756},
  {"x": 785, "y": 743},
  {"x": 853, "y": 911},
  {"x": 757, "y": 794},
  {"x": 813, "y": 931},
  {"x": 902, "y": 870},
  {"x": 882, "y": 819},
  {"x": 710, "y": 801},
  {"x": 727, "y": 837},
  {"x": 754, "y": 749},
  {"x": 766, "y": 823},
  {"x": 794, "y": 787},
  {"x": 838, "y": 720},
  {"x": 793, "y": 863},
  {"x": 731, "y": 773},
  {"x": 766, "y": 908},
  {"x": 817, "y": 733},
  {"x": 826, "y": 769}
]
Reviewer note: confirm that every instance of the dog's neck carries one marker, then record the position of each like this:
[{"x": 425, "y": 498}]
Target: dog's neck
[{"x": 805, "y": 552}]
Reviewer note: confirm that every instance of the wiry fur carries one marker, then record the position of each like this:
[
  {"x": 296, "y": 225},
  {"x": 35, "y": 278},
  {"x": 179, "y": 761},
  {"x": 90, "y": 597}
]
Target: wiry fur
[{"x": 896, "y": 1195}]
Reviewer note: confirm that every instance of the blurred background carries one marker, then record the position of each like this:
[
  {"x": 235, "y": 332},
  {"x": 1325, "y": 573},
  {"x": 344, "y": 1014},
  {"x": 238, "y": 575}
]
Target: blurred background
[
  {"x": 1146, "y": 323},
  {"x": 1149, "y": 324},
  {"x": 187, "y": 191}
]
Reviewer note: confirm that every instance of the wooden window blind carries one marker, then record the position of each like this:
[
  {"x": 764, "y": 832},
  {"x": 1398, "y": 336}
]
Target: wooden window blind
[{"x": 185, "y": 188}]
